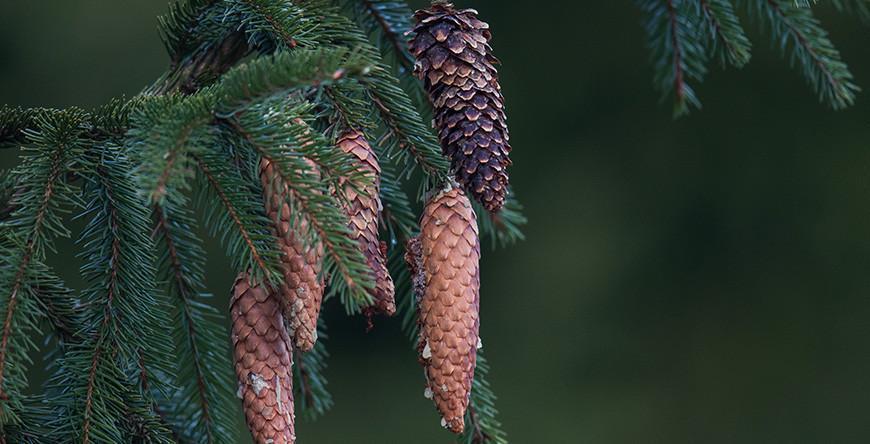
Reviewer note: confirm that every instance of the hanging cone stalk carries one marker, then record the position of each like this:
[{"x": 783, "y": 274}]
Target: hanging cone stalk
[
  {"x": 444, "y": 260},
  {"x": 455, "y": 62},
  {"x": 363, "y": 211},
  {"x": 302, "y": 289},
  {"x": 264, "y": 359}
]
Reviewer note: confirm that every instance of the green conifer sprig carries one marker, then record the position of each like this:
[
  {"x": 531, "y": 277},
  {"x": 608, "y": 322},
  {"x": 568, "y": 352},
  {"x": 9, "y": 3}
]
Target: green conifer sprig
[
  {"x": 677, "y": 51},
  {"x": 233, "y": 212},
  {"x": 202, "y": 410},
  {"x": 388, "y": 23},
  {"x": 503, "y": 228},
  {"x": 799, "y": 33},
  {"x": 483, "y": 426},
  {"x": 43, "y": 196},
  {"x": 684, "y": 35},
  {"x": 726, "y": 37},
  {"x": 289, "y": 146},
  {"x": 406, "y": 133},
  {"x": 858, "y": 7},
  {"x": 123, "y": 340},
  {"x": 312, "y": 398}
]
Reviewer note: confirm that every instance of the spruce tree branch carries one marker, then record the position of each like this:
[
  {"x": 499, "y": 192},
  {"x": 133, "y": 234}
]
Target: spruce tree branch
[
  {"x": 204, "y": 67},
  {"x": 282, "y": 33},
  {"x": 393, "y": 36},
  {"x": 55, "y": 173},
  {"x": 324, "y": 234},
  {"x": 822, "y": 65},
  {"x": 726, "y": 30},
  {"x": 304, "y": 379},
  {"x": 183, "y": 291},
  {"x": 107, "y": 316},
  {"x": 221, "y": 193},
  {"x": 679, "y": 83},
  {"x": 803, "y": 42}
]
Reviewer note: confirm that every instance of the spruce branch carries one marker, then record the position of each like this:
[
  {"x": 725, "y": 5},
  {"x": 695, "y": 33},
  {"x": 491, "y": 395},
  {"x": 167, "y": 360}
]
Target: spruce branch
[
  {"x": 677, "y": 52},
  {"x": 859, "y": 7},
  {"x": 43, "y": 195},
  {"x": 795, "y": 28},
  {"x": 406, "y": 131},
  {"x": 13, "y": 122},
  {"x": 727, "y": 37},
  {"x": 288, "y": 145},
  {"x": 233, "y": 212},
  {"x": 166, "y": 130},
  {"x": 203, "y": 42},
  {"x": 503, "y": 228},
  {"x": 390, "y": 22},
  {"x": 309, "y": 387},
  {"x": 483, "y": 427},
  {"x": 202, "y": 408},
  {"x": 125, "y": 321}
]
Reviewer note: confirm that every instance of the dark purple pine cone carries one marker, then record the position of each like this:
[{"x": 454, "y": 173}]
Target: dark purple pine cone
[{"x": 456, "y": 64}]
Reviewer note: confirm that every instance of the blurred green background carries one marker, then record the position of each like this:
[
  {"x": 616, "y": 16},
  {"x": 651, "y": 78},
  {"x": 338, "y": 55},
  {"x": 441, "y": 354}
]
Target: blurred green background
[{"x": 700, "y": 280}]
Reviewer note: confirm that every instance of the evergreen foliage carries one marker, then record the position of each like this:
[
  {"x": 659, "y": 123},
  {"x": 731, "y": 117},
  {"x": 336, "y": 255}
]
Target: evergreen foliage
[
  {"x": 684, "y": 35},
  {"x": 140, "y": 354}
]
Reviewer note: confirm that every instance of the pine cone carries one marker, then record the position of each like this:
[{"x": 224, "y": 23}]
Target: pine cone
[
  {"x": 264, "y": 361},
  {"x": 364, "y": 211},
  {"x": 456, "y": 64},
  {"x": 445, "y": 259},
  {"x": 302, "y": 290}
]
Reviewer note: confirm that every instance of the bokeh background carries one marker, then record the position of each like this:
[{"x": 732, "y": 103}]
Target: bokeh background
[{"x": 699, "y": 280}]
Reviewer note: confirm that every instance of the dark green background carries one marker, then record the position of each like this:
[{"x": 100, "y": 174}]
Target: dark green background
[{"x": 701, "y": 280}]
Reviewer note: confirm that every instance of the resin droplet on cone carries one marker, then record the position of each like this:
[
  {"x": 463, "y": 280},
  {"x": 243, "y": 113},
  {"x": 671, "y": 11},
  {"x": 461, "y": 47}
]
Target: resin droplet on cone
[
  {"x": 263, "y": 363},
  {"x": 445, "y": 262},
  {"x": 457, "y": 67},
  {"x": 302, "y": 290},
  {"x": 364, "y": 211}
]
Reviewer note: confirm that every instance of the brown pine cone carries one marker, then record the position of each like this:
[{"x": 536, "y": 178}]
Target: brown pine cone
[
  {"x": 302, "y": 290},
  {"x": 455, "y": 62},
  {"x": 364, "y": 211},
  {"x": 264, "y": 361},
  {"x": 445, "y": 258}
]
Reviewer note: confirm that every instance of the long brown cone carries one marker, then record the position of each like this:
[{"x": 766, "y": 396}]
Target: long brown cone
[
  {"x": 302, "y": 290},
  {"x": 457, "y": 67},
  {"x": 363, "y": 211},
  {"x": 445, "y": 259},
  {"x": 264, "y": 360}
]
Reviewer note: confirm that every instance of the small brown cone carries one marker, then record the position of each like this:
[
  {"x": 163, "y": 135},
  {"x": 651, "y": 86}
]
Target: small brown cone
[
  {"x": 302, "y": 290},
  {"x": 444, "y": 259},
  {"x": 457, "y": 67},
  {"x": 264, "y": 360},
  {"x": 363, "y": 211}
]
